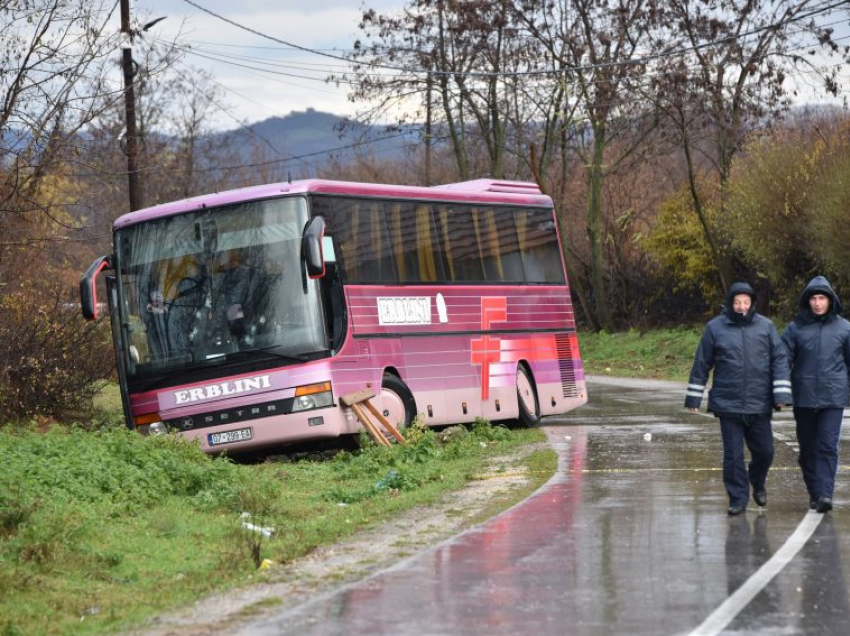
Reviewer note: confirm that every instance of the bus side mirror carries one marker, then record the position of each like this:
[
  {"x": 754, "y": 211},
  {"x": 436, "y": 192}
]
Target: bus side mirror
[
  {"x": 88, "y": 287},
  {"x": 311, "y": 247}
]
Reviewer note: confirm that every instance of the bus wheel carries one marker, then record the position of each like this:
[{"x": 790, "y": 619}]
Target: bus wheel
[
  {"x": 529, "y": 407},
  {"x": 397, "y": 403}
]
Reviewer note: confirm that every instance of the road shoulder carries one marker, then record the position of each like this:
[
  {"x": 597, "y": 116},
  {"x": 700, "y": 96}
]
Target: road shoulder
[{"x": 505, "y": 482}]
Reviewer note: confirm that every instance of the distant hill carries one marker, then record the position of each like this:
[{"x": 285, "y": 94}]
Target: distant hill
[{"x": 315, "y": 135}]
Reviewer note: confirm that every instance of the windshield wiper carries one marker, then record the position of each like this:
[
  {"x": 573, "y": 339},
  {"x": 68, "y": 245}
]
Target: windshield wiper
[{"x": 269, "y": 351}]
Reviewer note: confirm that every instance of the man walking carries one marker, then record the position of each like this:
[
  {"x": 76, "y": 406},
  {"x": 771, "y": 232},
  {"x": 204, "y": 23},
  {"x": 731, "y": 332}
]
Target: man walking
[
  {"x": 818, "y": 343},
  {"x": 750, "y": 379}
]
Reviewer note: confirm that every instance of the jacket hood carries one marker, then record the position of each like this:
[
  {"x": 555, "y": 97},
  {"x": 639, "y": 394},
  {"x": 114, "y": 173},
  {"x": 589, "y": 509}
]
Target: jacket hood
[
  {"x": 739, "y": 288},
  {"x": 734, "y": 290},
  {"x": 820, "y": 285}
]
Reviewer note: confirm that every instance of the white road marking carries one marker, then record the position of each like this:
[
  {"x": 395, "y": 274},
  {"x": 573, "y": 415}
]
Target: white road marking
[{"x": 732, "y": 606}]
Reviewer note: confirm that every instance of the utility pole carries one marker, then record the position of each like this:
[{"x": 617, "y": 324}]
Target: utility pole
[
  {"x": 131, "y": 148},
  {"x": 428, "y": 130}
]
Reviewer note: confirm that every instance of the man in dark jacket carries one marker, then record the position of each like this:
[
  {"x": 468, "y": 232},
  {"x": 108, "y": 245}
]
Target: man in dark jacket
[
  {"x": 750, "y": 379},
  {"x": 818, "y": 343}
]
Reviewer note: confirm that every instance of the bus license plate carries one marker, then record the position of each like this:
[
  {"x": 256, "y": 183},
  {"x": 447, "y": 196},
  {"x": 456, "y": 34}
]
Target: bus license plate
[{"x": 239, "y": 435}]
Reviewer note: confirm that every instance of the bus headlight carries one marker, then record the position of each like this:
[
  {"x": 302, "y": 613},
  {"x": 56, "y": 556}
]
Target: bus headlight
[
  {"x": 150, "y": 424},
  {"x": 304, "y": 402},
  {"x": 157, "y": 428},
  {"x": 153, "y": 428},
  {"x": 312, "y": 396}
]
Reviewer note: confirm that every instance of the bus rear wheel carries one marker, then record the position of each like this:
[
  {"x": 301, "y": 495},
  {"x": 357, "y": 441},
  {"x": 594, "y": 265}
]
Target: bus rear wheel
[
  {"x": 397, "y": 403},
  {"x": 529, "y": 407}
]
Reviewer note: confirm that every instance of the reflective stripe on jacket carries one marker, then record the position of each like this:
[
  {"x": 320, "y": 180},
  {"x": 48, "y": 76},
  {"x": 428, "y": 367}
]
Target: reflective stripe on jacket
[{"x": 750, "y": 366}]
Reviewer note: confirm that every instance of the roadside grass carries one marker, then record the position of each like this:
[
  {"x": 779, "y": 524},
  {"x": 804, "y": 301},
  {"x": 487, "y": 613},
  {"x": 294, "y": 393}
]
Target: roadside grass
[
  {"x": 658, "y": 353},
  {"x": 102, "y": 529},
  {"x": 108, "y": 399}
]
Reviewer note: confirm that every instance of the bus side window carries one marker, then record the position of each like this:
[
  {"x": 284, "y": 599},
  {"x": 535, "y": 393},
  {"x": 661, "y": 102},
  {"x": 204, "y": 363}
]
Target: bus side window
[
  {"x": 511, "y": 261},
  {"x": 375, "y": 253},
  {"x": 538, "y": 243},
  {"x": 460, "y": 244},
  {"x": 362, "y": 237},
  {"x": 403, "y": 241},
  {"x": 489, "y": 244},
  {"x": 428, "y": 252}
]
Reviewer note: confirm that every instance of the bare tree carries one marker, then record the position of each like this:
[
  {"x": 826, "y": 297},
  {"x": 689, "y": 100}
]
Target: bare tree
[
  {"x": 54, "y": 61},
  {"x": 599, "y": 47},
  {"x": 181, "y": 153},
  {"x": 452, "y": 64},
  {"x": 532, "y": 85},
  {"x": 734, "y": 73}
]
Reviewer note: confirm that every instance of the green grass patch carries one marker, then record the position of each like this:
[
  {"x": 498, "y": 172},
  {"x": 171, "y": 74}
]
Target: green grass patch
[
  {"x": 661, "y": 353},
  {"x": 108, "y": 399},
  {"x": 102, "y": 529}
]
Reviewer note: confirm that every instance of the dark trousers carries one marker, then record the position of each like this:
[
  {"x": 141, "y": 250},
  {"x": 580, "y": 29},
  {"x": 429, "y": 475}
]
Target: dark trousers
[
  {"x": 818, "y": 432},
  {"x": 755, "y": 431}
]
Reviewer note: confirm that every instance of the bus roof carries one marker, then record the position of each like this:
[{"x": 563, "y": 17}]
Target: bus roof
[{"x": 479, "y": 190}]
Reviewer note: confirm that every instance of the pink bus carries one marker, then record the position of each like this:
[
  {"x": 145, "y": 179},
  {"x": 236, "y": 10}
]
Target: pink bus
[{"x": 240, "y": 318}]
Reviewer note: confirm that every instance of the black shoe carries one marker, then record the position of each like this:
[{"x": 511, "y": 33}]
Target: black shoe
[
  {"x": 824, "y": 504},
  {"x": 734, "y": 511},
  {"x": 813, "y": 504},
  {"x": 760, "y": 498}
]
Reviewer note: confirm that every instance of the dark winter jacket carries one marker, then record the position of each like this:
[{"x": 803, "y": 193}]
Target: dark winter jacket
[
  {"x": 749, "y": 361},
  {"x": 819, "y": 351}
]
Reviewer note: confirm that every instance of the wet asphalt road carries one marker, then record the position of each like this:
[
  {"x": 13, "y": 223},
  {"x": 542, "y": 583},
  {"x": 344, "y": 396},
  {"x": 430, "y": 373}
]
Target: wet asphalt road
[{"x": 630, "y": 537}]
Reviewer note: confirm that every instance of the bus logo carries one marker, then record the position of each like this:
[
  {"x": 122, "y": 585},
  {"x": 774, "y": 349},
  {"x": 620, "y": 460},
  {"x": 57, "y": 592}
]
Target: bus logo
[
  {"x": 404, "y": 311},
  {"x": 244, "y": 385}
]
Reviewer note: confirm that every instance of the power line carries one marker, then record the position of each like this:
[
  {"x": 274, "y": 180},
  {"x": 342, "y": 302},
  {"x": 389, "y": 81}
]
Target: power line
[
  {"x": 266, "y": 36},
  {"x": 580, "y": 68},
  {"x": 317, "y": 153},
  {"x": 644, "y": 79},
  {"x": 287, "y": 48},
  {"x": 214, "y": 58},
  {"x": 226, "y": 58},
  {"x": 282, "y": 160}
]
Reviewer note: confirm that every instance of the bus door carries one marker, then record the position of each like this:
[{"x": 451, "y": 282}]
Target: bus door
[{"x": 118, "y": 344}]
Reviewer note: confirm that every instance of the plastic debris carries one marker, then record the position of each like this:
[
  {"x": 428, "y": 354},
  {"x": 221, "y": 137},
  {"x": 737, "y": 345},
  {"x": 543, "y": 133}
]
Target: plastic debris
[
  {"x": 263, "y": 530},
  {"x": 389, "y": 481},
  {"x": 567, "y": 437},
  {"x": 266, "y": 531},
  {"x": 648, "y": 437},
  {"x": 266, "y": 564}
]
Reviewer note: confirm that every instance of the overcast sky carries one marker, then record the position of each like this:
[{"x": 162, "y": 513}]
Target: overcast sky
[{"x": 293, "y": 80}]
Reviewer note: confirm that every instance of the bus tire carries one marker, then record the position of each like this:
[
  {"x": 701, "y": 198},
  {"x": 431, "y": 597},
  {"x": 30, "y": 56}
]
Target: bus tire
[
  {"x": 397, "y": 403},
  {"x": 526, "y": 394}
]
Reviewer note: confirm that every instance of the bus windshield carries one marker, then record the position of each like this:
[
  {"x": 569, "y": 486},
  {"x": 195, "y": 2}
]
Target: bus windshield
[{"x": 217, "y": 285}]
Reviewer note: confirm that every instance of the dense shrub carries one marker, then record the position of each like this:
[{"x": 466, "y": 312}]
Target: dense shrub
[
  {"x": 770, "y": 213},
  {"x": 677, "y": 243},
  {"x": 115, "y": 468},
  {"x": 830, "y": 230},
  {"x": 52, "y": 362},
  {"x": 787, "y": 209}
]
